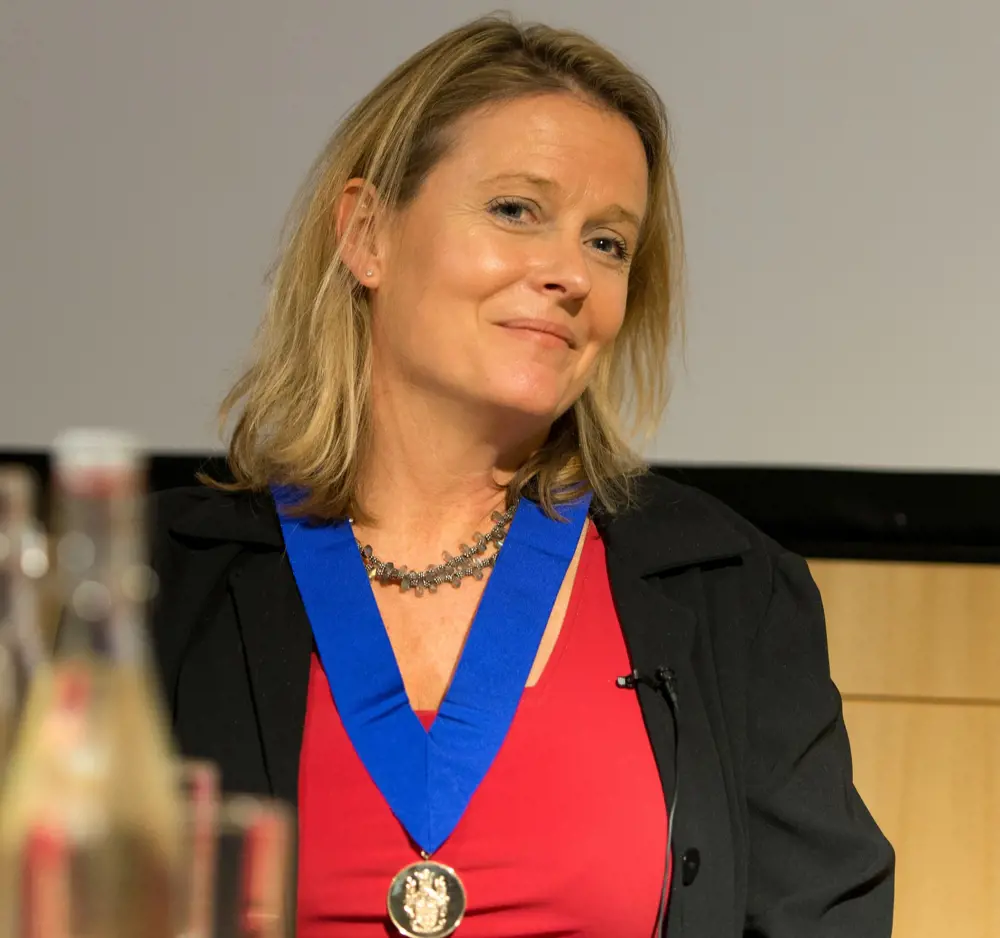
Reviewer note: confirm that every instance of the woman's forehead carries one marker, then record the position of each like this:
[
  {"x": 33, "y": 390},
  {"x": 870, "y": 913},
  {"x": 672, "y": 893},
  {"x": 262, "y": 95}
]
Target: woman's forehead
[{"x": 551, "y": 140}]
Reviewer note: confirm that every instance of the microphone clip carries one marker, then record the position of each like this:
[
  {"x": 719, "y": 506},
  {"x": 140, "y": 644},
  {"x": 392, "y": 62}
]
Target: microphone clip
[{"x": 663, "y": 680}]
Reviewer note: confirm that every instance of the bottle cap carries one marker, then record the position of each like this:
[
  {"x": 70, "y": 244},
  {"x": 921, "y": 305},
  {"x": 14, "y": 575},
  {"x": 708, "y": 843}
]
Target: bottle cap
[{"x": 96, "y": 461}]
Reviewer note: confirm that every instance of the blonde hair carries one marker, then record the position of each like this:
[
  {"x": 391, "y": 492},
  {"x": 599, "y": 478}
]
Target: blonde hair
[{"x": 304, "y": 401}]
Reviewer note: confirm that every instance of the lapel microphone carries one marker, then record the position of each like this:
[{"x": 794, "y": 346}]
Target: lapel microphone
[{"x": 663, "y": 680}]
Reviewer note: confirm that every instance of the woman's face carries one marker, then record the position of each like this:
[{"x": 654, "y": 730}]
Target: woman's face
[{"x": 501, "y": 281}]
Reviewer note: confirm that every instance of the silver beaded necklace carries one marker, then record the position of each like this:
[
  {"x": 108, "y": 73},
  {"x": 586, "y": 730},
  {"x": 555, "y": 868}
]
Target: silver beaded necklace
[{"x": 471, "y": 561}]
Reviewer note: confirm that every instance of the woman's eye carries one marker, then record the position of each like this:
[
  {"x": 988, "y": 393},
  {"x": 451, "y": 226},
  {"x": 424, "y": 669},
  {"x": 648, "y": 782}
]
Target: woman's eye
[
  {"x": 510, "y": 209},
  {"x": 617, "y": 247}
]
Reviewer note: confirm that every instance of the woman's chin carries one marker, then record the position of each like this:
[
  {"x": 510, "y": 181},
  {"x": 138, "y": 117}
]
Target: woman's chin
[
  {"x": 528, "y": 388},
  {"x": 537, "y": 407}
]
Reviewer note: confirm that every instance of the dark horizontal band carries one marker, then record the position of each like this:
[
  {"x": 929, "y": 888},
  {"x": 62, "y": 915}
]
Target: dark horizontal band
[
  {"x": 863, "y": 514},
  {"x": 833, "y": 513}
]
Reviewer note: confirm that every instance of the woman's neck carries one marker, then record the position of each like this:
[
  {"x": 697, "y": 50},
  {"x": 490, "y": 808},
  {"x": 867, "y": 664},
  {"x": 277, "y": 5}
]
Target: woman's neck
[{"x": 431, "y": 481}]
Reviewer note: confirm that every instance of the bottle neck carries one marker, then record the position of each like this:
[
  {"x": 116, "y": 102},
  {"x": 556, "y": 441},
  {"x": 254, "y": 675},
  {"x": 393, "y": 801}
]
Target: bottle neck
[
  {"x": 23, "y": 562},
  {"x": 102, "y": 578}
]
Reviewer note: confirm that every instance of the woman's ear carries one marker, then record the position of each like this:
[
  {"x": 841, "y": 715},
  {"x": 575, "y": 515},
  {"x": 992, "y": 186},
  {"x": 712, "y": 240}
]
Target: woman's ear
[{"x": 357, "y": 222}]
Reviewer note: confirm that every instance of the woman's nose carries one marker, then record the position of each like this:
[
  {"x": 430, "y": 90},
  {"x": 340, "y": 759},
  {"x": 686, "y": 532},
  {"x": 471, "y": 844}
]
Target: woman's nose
[{"x": 566, "y": 271}]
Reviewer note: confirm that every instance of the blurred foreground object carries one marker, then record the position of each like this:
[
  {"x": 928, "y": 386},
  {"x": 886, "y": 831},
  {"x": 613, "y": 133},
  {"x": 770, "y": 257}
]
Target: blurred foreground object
[
  {"x": 255, "y": 844},
  {"x": 23, "y": 562},
  {"x": 104, "y": 832},
  {"x": 90, "y": 809}
]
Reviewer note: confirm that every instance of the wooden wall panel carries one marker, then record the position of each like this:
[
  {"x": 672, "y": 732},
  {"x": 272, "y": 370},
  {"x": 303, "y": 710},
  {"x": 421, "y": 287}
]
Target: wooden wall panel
[
  {"x": 915, "y": 649},
  {"x": 930, "y": 774},
  {"x": 913, "y": 630}
]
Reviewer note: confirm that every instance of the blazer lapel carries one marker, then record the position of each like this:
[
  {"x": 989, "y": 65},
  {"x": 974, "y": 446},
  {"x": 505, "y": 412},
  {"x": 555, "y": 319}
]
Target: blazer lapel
[
  {"x": 661, "y": 632},
  {"x": 277, "y": 639},
  {"x": 278, "y": 643},
  {"x": 658, "y": 634},
  {"x": 671, "y": 538}
]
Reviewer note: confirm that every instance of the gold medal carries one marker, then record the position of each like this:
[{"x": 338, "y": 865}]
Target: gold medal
[{"x": 426, "y": 900}]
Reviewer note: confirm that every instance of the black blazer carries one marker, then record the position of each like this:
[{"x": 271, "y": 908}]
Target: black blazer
[{"x": 770, "y": 838}]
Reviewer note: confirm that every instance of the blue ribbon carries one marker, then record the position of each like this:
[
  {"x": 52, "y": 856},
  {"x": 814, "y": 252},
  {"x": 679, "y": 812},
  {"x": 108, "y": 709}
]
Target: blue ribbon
[{"x": 428, "y": 777}]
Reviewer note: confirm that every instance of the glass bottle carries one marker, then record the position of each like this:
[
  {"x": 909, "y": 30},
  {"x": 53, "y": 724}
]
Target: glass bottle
[{"x": 93, "y": 769}]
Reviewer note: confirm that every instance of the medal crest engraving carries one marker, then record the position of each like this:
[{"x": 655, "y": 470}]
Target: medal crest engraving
[{"x": 426, "y": 900}]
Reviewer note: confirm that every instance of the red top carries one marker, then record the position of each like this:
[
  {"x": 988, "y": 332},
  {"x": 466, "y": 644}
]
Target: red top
[{"x": 566, "y": 836}]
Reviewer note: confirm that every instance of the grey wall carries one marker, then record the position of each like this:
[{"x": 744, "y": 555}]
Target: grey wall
[{"x": 838, "y": 165}]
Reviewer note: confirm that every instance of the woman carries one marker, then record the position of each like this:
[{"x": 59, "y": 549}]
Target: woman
[{"x": 480, "y": 282}]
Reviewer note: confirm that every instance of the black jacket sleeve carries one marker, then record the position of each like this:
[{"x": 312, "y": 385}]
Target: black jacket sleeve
[{"x": 819, "y": 866}]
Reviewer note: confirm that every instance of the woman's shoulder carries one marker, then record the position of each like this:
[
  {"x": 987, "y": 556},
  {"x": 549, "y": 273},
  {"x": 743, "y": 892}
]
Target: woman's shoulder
[
  {"x": 670, "y": 529},
  {"x": 669, "y": 524},
  {"x": 196, "y": 534},
  {"x": 207, "y": 513},
  {"x": 754, "y": 584}
]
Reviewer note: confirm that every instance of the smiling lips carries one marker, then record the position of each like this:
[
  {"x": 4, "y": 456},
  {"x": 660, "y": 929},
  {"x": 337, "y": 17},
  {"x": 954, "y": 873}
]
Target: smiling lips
[{"x": 540, "y": 328}]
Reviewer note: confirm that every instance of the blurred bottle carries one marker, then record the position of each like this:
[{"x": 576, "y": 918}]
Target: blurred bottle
[
  {"x": 92, "y": 769},
  {"x": 23, "y": 562}
]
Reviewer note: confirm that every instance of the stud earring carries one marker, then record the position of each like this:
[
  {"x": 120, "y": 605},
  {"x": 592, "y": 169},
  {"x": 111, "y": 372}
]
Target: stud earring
[{"x": 369, "y": 273}]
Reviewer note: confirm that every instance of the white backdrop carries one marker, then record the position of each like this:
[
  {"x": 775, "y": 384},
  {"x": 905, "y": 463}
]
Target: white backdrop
[{"x": 839, "y": 167}]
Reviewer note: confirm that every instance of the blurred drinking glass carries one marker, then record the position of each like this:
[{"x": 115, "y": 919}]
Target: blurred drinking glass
[
  {"x": 254, "y": 894},
  {"x": 199, "y": 781}
]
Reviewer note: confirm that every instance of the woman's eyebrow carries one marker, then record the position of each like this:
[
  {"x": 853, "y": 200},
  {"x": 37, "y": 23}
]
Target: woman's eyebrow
[{"x": 543, "y": 182}]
